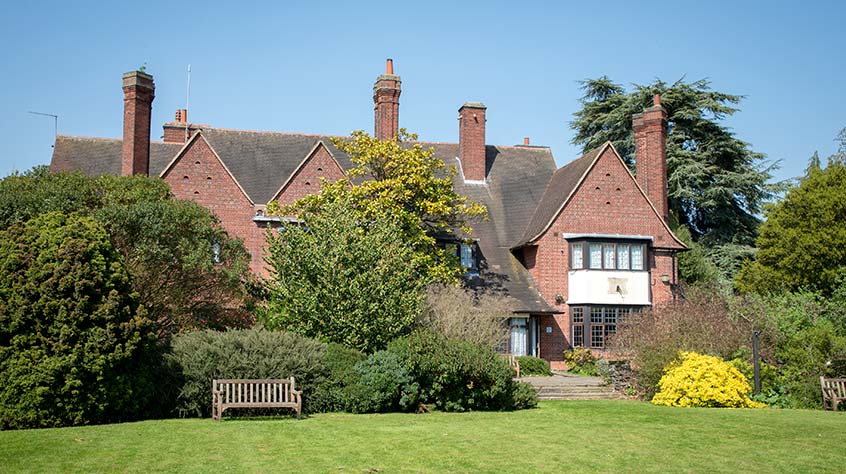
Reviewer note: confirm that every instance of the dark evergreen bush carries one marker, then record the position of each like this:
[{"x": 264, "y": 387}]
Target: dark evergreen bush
[
  {"x": 530, "y": 365},
  {"x": 201, "y": 356},
  {"x": 73, "y": 339},
  {"x": 454, "y": 375},
  {"x": 331, "y": 395},
  {"x": 381, "y": 385}
]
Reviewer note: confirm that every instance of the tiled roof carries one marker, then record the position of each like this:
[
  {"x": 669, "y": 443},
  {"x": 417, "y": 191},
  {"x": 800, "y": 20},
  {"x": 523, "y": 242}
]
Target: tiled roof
[
  {"x": 262, "y": 161},
  {"x": 562, "y": 184},
  {"x": 517, "y": 177},
  {"x": 99, "y": 156}
]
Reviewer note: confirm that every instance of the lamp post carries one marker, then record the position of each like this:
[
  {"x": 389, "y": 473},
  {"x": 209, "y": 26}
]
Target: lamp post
[{"x": 756, "y": 365}]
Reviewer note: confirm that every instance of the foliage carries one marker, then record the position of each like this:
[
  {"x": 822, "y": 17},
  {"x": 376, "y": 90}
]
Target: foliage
[
  {"x": 403, "y": 180},
  {"x": 525, "y": 396},
  {"x": 812, "y": 352},
  {"x": 695, "y": 265},
  {"x": 330, "y": 395},
  {"x": 698, "y": 380},
  {"x": 342, "y": 279},
  {"x": 581, "y": 361},
  {"x": 202, "y": 356},
  {"x": 166, "y": 244},
  {"x": 468, "y": 315},
  {"x": 381, "y": 385},
  {"x": 803, "y": 241},
  {"x": 72, "y": 336},
  {"x": 531, "y": 365},
  {"x": 717, "y": 184},
  {"x": 454, "y": 375},
  {"x": 707, "y": 321}
]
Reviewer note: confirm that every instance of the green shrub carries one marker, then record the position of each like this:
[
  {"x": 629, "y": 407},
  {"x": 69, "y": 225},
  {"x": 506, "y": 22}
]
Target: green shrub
[
  {"x": 454, "y": 375},
  {"x": 381, "y": 385},
  {"x": 74, "y": 341},
  {"x": 697, "y": 380},
  {"x": 329, "y": 395},
  {"x": 530, "y": 365},
  {"x": 581, "y": 361},
  {"x": 706, "y": 321},
  {"x": 524, "y": 396},
  {"x": 201, "y": 356}
]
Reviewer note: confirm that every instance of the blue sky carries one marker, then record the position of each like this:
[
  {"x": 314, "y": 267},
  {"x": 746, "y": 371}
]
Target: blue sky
[{"x": 309, "y": 66}]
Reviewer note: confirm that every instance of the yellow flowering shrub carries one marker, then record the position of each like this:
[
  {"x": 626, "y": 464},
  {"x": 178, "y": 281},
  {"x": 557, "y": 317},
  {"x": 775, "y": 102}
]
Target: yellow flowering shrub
[{"x": 697, "y": 380}]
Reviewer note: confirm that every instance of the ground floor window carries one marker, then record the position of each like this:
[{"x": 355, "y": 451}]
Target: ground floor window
[{"x": 592, "y": 325}]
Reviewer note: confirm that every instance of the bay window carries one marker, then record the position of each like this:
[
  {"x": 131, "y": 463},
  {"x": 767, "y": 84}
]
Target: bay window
[{"x": 608, "y": 255}]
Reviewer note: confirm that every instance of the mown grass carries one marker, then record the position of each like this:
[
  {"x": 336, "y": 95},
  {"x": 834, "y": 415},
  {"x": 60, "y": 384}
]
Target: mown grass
[{"x": 590, "y": 436}]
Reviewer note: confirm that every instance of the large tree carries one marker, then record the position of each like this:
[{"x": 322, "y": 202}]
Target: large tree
[
  {"x": 405, "y": 180},
  {"x": 187, "y": 271},
  {"x": 803, "y": 241},
  {"x": 717, "y": 183},
  {"x": 344, "y": 279}
]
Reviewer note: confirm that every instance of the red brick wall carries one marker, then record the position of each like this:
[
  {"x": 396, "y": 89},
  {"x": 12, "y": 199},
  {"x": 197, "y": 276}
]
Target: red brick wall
[
  {"x": 307, "y": 179},
  {"x": 471, "y": 141},
  {"x": 199, "y": 176},
  {"x": 607, "y": 202}
]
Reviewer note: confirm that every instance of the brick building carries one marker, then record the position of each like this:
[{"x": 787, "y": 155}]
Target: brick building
[{"x": 577, "y": 248}]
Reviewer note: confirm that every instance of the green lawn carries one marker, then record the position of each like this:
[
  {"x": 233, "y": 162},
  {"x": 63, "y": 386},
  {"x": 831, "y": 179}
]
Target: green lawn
[{"x": 590, "y": 436}]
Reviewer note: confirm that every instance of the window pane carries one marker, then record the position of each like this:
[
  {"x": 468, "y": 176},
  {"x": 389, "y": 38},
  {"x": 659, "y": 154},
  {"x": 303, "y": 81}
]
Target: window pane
[
  {"x": 578, "y": 257},
  {"x": 596, "y": 314},
  {"x": 637, "y": 257},
  {"x": 467, "y": 260},
  {"x": 595, "y": 256},
  {"x": 597, "y": 338},
  {"x": 608, "y": 250},
  {"x": 578, "y": 314},
  {"x": 578, "y": 336},
  {"x": 623, "y": 256},
  {"x": 611, "y": 315}
]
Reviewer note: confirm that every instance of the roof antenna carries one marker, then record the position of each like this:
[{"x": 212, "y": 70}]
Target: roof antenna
[
  {"x": 55, "y": 122},
  {"x": 187, "y": 99}
]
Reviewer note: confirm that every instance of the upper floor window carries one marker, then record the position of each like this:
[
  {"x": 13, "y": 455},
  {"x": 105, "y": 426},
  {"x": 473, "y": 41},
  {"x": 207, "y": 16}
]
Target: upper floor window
[
  {"x": 467, "y": 255},
  {"x": 607, "y": 255}
]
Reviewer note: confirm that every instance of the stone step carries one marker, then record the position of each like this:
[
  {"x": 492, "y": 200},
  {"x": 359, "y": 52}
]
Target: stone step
[{"x": 605, "y": 396}]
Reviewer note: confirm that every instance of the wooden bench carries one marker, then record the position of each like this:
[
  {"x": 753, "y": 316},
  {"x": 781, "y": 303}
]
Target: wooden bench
[
  {"x": 833, "y": 392},
  {"x": 245, "y": 393},
  {"x": 513, "y": 362}
]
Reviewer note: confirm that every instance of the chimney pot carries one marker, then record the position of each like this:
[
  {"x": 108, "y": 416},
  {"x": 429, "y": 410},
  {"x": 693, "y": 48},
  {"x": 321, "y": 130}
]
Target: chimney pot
[
  {"x": 526, "y": 141},
  {"x": 389, "y": 66},
  {"x": 656, "y": 100}
]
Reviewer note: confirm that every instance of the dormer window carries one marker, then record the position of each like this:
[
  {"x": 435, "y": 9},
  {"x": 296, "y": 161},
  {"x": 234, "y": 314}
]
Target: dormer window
[{"x": 468, "y": 258}]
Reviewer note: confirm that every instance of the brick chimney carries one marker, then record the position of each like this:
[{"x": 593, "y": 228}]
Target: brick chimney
[
  {"x": 179, "y": 131},
  {"x": 650, "y": 128},
  {"x": 386, "y": 93},
  {"x": 138, "y": 95},
  {"x": 471, "y": 140}
]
